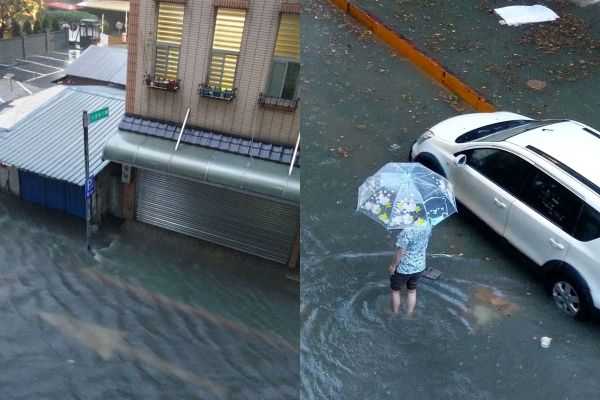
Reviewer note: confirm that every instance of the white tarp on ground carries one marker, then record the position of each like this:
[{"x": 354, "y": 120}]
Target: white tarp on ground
[{"x": 518, "y": 15}]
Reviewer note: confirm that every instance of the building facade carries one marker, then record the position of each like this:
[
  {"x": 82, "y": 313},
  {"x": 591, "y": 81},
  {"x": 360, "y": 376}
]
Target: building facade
[{"x": 209, "y": 140}]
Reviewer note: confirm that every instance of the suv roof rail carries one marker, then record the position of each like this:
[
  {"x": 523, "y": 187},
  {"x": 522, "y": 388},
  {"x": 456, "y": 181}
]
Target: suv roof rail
[
  {"x": 588, "y": 130},
  {"x": 566, "y": 168}
]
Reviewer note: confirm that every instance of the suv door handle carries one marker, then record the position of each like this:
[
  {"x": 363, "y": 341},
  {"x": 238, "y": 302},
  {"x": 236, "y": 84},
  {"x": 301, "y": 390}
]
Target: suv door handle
[
  {"x": 556, "y": 244},
  {"x": 499, "y": 203}
]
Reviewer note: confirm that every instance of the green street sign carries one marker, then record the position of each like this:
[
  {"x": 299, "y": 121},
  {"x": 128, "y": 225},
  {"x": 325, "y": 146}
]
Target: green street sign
[{"x": 98, "y": 114}]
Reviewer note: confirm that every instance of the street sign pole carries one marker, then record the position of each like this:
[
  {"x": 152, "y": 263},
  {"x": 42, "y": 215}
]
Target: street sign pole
[
  {"x": 88, "y": 186},
  {"x": 88, "y": 200}
]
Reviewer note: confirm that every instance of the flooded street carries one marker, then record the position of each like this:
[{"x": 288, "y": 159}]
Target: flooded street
[
  {"x": 148, "y": 314},
  {"x": 477, "y": 328}
]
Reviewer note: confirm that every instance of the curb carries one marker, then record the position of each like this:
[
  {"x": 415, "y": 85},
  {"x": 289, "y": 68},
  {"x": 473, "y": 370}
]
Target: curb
[{"x": 409, "y": 50}]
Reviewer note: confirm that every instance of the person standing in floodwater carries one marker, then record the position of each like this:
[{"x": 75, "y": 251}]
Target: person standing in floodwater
[{"x": 408, "y": 265}]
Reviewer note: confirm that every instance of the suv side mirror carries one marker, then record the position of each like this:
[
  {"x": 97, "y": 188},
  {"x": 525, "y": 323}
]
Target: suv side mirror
[{"x": 460, "y": 159}]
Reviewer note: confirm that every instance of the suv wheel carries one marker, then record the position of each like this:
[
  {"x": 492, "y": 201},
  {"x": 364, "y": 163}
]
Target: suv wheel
[{"x": 570, "y": 295}]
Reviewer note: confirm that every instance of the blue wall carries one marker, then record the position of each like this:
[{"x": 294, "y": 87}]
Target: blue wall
[{"x": 59, "y": 195}]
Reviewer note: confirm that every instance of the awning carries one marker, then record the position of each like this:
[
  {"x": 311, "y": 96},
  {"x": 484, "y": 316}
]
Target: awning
[
  {"x": 62, "y": 6},
  {"x": 110, "y": 5},
  {"x": 205, "y": 165}
]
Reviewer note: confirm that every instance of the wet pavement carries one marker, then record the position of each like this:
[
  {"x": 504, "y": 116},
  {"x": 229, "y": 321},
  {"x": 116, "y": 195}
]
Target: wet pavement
[
  {"x": 498, "y": 60},
  {"x": 476, "y": 331},
  {"x": 148, "y": 314},
  {"x": 33, "y": 73}
]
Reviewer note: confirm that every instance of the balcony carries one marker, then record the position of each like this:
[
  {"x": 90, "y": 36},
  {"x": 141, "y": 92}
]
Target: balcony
[
  {"x": 277, "y": 103},
  {"x": 215, "y": 92},
  {"x": 290, "y": 6},
  {"x": 170, "y": 85}
]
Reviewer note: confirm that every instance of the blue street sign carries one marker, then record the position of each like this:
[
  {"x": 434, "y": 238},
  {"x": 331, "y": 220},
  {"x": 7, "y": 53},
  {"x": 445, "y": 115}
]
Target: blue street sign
[{"x": 89, "y": 187}]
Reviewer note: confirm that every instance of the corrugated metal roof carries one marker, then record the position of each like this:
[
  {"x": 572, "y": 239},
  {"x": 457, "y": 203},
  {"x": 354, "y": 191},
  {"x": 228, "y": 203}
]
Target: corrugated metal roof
[
  {"x": 50, "y": 141},
  {"x": 211, "y": 140},
  {"x": 21, "y": 108},
  {"x": 101, "y": 63}
]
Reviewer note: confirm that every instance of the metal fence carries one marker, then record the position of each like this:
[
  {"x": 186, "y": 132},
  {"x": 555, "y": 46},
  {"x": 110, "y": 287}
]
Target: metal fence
[{"x": 28, "y": 45}]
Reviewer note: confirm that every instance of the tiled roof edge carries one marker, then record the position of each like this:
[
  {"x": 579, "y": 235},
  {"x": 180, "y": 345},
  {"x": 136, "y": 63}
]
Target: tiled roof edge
[{"x": 259, "y": 149}]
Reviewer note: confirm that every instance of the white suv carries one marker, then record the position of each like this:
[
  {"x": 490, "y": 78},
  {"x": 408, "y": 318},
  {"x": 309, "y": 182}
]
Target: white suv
[{"x": 534, "y": 182}]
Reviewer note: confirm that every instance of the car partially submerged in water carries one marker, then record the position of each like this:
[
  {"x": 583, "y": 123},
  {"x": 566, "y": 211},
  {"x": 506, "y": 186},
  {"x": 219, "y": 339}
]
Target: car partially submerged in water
[{"x": 534, "y": 182}]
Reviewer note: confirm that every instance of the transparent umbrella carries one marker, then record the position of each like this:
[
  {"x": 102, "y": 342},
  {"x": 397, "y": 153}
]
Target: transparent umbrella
[{"x": 405, "y": 195}]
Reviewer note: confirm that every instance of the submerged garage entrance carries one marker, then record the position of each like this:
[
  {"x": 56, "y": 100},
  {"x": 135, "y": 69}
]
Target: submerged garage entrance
[
  {"x": 246, "y": 203},
  {"x": 250, "y": 223}
]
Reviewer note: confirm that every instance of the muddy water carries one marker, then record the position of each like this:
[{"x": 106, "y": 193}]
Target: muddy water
[
  {"x": 475, "y": 333},
  {"x": 147, "y": 315}
]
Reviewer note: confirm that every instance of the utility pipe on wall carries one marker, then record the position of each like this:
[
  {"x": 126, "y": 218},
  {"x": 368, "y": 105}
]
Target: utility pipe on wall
[
  {"x": 182, "y": 128},
  {"x": 294, "y": 155}
]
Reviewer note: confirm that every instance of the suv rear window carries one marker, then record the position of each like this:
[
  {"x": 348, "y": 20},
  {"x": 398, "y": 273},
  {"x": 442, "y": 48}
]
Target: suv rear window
[{"x": 551, "y": 199}]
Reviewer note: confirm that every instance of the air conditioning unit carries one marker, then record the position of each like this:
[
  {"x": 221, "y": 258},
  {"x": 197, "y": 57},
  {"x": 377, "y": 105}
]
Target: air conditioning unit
[{"x": 126, "y": 173}]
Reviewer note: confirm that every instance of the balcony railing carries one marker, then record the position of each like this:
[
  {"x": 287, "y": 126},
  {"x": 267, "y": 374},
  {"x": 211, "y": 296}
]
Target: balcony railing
[
  {"x": 214, "y": 92},
  {"x": 170, "y": 85},
  {"x": 277, "y": 103}
]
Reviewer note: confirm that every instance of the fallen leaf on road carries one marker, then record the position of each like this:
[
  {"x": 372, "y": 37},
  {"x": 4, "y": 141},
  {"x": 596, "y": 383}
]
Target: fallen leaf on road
[{"x": 343, "y": 151}]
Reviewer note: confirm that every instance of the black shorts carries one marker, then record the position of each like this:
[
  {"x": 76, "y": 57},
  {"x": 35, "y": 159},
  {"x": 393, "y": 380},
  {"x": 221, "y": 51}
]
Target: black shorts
[{"x": 398, "y": 280}]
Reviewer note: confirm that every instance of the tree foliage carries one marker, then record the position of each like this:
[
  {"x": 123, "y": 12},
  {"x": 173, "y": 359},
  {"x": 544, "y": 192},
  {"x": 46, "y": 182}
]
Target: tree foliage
[
  {"x": 37, "y": 25},
  {"x": 62, "y": 17},
  {"x": 9, "y": 9},
  {"x": 15, "y": 28},
  {"x": 45, "y": 20},
  {"x": 55, "y": 25},
  {"x": 46, "y": 24},
  {"x": 27, "y": 28}
]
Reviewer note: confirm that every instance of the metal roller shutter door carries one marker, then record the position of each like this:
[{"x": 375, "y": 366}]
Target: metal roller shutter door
[{"x": 249, "y": 223}]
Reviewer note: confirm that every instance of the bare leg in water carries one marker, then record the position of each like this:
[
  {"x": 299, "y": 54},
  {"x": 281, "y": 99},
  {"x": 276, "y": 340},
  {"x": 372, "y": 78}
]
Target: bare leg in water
[
  {"x": 411, "y": 301},
  {"x": 395, "y": 301}
]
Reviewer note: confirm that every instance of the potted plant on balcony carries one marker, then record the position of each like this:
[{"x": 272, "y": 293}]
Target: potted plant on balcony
[
  {"x": 171, "y": 85},
  {"x": 228, "y": 94},
  {"x": 215, "y": 92}
]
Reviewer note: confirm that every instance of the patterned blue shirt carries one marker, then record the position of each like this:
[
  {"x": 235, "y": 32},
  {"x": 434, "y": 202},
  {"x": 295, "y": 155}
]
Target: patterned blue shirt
[{"x": 414, "y": 241}]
